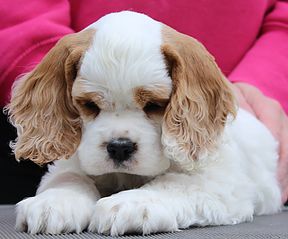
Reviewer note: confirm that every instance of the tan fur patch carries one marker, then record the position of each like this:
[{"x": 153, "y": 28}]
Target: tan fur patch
[
  {"x": 152, "y": 100},
  {"x": 142, "y": 95},
  {"x": 41, "y": 107},
  {"x": 201, "y": 99},
  {"x": 84, "y": 99}
]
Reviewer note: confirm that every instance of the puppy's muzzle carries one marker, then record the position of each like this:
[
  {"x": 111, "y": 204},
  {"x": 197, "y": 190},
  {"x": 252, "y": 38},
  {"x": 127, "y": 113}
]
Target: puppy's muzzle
[{"x": 121, "y": 149}]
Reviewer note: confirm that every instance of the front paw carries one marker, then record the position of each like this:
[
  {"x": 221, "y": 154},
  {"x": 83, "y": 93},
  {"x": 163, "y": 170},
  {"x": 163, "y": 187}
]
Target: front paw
[
  {"x": 132, "y": 211},
  {"x": 54, "y": 211}
]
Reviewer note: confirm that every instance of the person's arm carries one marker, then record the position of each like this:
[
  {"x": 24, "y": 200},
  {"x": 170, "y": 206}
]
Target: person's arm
[
  {"x": 265, "y": 67},
  {"x": 30, "y": 29}
]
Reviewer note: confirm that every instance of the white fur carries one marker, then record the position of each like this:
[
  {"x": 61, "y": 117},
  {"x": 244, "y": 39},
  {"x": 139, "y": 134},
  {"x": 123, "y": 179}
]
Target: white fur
[
  {"x": 116, "y": 63},
  {"x": 227, "y": 187}
]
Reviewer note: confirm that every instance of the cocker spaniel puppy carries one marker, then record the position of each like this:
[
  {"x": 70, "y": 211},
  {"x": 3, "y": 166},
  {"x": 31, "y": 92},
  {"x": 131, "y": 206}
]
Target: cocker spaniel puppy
[{"x": 143, "y": 132}]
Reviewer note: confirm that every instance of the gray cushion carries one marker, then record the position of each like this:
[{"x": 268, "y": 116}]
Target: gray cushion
[{"x": 275, "y": 226}]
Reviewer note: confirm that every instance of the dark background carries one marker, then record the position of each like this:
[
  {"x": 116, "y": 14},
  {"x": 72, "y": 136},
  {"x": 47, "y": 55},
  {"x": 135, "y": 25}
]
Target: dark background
[{"x": 17, "y": 180}]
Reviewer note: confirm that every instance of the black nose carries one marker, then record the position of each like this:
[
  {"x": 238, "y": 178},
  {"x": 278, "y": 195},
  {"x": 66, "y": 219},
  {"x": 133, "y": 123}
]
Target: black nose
[{"x": 121, "y": 149}]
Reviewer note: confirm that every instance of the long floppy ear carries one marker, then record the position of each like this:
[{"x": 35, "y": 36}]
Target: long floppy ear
[
  {"x": 41, "y": 107},
  {"x": 200, "y": 102}
]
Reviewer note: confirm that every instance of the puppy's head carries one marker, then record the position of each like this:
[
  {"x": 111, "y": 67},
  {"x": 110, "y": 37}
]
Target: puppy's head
[{"x": 127, "y": 94}]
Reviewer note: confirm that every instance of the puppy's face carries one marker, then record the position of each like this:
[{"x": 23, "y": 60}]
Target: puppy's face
[
  {"x": 121, "y": 93},
  {"x": 128, "y": 94}
]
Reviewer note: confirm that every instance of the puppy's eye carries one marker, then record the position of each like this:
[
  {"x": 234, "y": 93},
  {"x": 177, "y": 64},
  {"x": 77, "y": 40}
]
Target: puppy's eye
[
  {"x": 154, "y": 107},
  {"x": 91, "y": 106}
]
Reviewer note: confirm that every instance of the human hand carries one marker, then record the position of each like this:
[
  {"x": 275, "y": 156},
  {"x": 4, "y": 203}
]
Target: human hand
[{"x": 271, "y": 114}]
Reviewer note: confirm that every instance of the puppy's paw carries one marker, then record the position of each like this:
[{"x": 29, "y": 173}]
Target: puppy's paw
[
  {"x": 54, "y": 211},
  {"x": 132, "y": 211}
]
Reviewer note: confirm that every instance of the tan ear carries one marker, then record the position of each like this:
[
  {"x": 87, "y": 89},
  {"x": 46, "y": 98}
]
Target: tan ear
[
  {"x": 201, "y": 99},
  {"x": 41, "y": 107}
]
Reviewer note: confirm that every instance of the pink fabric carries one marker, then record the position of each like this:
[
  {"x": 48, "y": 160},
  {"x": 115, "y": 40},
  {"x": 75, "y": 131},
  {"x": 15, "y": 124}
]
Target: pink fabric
[{"x": 249, "y": 39}]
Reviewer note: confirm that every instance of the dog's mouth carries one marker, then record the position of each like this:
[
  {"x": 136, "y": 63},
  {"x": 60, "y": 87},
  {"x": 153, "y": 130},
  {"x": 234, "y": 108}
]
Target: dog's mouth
[
  {"x": 111, "y": 183},
  {"x": 126, "y": 165}
]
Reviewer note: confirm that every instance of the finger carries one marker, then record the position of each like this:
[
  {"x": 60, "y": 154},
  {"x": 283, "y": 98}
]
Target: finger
[
  {"x": 283, "y": 161},
  {"x": 241, "y": 99},
  {"x": 285, "y": 197},
  {"x": 272, "y": 116}
]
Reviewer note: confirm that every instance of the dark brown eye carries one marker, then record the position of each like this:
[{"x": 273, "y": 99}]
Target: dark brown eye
[
  {"x": 91, "y": 106},
  {"x": 153, "y": 107}
]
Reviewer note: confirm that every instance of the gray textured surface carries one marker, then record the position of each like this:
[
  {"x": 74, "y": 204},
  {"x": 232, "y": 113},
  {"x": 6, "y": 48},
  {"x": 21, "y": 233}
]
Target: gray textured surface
[{"x": 271, "y": 227}]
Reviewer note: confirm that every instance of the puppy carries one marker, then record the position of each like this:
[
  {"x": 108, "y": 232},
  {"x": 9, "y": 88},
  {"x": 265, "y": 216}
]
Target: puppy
[{"x": 143, "y": 132}]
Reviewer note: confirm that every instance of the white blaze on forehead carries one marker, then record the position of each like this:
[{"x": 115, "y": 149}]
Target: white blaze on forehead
[{"x": 125, "y": 53}]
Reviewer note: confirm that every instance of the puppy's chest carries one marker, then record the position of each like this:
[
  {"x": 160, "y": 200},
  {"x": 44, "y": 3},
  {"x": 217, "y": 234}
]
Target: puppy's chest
[{"x": 111, "y": 183}]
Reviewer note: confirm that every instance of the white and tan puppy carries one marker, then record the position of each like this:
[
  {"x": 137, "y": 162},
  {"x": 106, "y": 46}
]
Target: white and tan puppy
[{"x": 131, "y": 105}]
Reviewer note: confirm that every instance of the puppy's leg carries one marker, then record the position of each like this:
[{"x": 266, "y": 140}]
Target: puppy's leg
[
  {"x": 172, "y": 202},
  {"x": 63, "y": 203}
]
